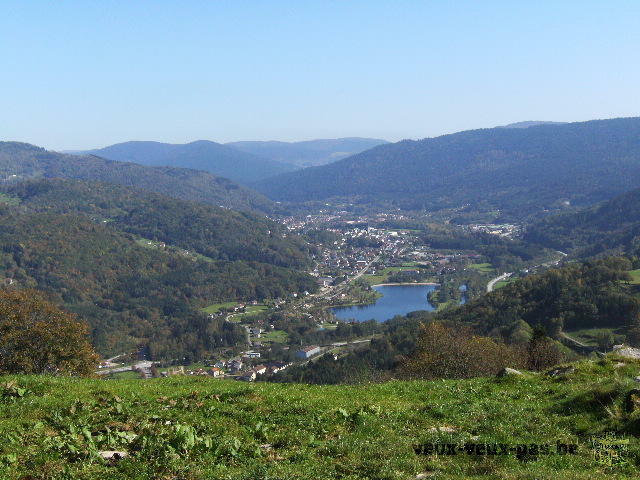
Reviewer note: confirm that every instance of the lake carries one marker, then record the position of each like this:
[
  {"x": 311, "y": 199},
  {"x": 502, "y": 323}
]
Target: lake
[{"x": 396, "y": 300}]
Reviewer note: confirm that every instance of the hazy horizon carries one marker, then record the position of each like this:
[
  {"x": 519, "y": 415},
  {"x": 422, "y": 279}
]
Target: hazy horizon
[{"x": 82, "y": 75}]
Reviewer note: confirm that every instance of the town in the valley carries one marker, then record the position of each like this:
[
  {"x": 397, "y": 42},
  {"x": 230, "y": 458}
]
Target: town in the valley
[{"x": 352, "y": 254}]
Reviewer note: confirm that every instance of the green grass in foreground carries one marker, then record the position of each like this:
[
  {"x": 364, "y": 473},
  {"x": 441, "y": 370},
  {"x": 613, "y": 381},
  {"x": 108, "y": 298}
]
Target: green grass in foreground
[
  {"x": 202, "y": 428},
  {"x": 128, "y": 375}
]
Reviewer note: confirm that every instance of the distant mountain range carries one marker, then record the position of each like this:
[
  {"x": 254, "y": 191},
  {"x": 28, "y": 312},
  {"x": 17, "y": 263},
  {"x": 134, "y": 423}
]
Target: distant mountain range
[
  {"x": 308, "y": 153},
  {"x": 530, "y": 123},
  {"x": 221, "y": 160},
  {"x": 19, "y": 161},
  {"x": 514, "y": 172}
]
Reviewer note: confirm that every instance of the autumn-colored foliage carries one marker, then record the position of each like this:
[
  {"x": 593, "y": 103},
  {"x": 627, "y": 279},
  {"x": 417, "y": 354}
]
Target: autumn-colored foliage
[
  {"x": 446, "y": 352},
  {"x": 37, "y": 337},
  {"x": 542, "y": 351}
]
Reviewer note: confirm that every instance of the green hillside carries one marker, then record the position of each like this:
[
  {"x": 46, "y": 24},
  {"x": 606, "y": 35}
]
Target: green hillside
[
  {"x": 610, "y": 227},
  {"x": 579, "y": 295},
  {"x": 517, "y": 171},
  {"x": 19, "y": 161},
  {"x": 214, "y": 232},
  {"x": 203, "y": 428},
  {"x": 133, "y": 295}
]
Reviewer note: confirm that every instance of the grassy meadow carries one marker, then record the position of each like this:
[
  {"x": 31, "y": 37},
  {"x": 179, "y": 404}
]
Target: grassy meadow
[{"x": 194, "y": 428}]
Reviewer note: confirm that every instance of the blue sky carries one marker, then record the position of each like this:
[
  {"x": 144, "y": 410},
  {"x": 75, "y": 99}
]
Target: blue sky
[{"x": 81, "y": 74}]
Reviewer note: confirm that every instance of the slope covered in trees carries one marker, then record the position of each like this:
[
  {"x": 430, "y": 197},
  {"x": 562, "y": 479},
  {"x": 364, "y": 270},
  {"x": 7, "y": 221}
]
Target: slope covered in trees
[
  {"x": 610, "y": 227},
  {"x": 580, "y": 295},
  {"x": 520, "y": 172},
  {"x": 132, "y": 295},
  {"x": 20, "y": 161},
  {"x": 214, "y": 232},
  {"x": 310, "y": 152},
  {"x": 138, "y": 265},
  {"x": 222, "y": 160}
]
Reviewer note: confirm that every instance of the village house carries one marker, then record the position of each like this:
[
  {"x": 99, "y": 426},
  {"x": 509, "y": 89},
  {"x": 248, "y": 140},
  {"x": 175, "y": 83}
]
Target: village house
[
  {"x": 276, "y": 367},
  {"x": 308, "y": 352},
  {"x": 235, "y": 365},
  {"x": 216, "y": 372},
  {"x": 256, "y": 331},
  {"x": 248, "y": 376}
]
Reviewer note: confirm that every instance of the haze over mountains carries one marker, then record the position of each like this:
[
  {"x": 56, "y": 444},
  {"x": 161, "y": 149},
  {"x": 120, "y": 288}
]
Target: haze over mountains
[
  {"x": 203, "y": 155},
  {"x": 530, "y": 123},
  {"x": 517, "y": 171},
  {"x": 243, "y": 162},
  {"x": 20, "y": 161},
  {"x": 311, "y": 152}
]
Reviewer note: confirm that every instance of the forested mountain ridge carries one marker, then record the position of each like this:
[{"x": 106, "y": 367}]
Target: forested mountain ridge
[
  {"x": 310, "y": 152},
  {"x": 518, "y": 171},
  {"x": 212, "y": 157},
  {"x": 217, "y": 233},
  {"x": 530, "y": 123},
  {"x": 20, "y": 161},
  {"x": 130, "y": 294},
  {"x": 85, "y": 244},
  {"x": 612, "y": 226}
]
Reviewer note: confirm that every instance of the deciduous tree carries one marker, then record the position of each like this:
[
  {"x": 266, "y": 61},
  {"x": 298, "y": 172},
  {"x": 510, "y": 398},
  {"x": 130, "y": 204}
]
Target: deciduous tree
[{"x": 37, "y": 337}]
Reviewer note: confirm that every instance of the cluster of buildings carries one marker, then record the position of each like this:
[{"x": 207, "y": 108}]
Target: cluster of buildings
[
  {"x": 234, "y": 368},
  {"x": 345, "y": 257},
  {"x": 341, "y": 217},
  {"x": 253, "y": 373},
  {"x": 507, "y": 230}
]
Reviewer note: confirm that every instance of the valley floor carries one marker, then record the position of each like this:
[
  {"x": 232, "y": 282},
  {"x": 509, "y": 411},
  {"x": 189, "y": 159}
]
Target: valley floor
[{"x": 201, "y": 428}]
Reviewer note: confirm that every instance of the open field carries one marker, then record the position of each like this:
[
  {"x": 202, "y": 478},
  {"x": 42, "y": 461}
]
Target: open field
[
  {"x": 482, "y": 267},
  {"x": 251, "y": 310},
  {"x": 216, "y": 307},
  {"x": 635, "y": 277},
  {"x": 382, "y": 276},
  {"x": 589, "y": 336},
  {"x": 201, "y": 428},
  {"x": 274, "y": 336},
  {"x": 6, "y": 199},
  {"x": 501, "y": 284},
  {"x": 130, "y": 375}
]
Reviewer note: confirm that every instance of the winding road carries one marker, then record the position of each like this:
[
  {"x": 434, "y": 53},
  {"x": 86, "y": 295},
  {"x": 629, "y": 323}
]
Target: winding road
[{"x": 493, "y": 281}]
